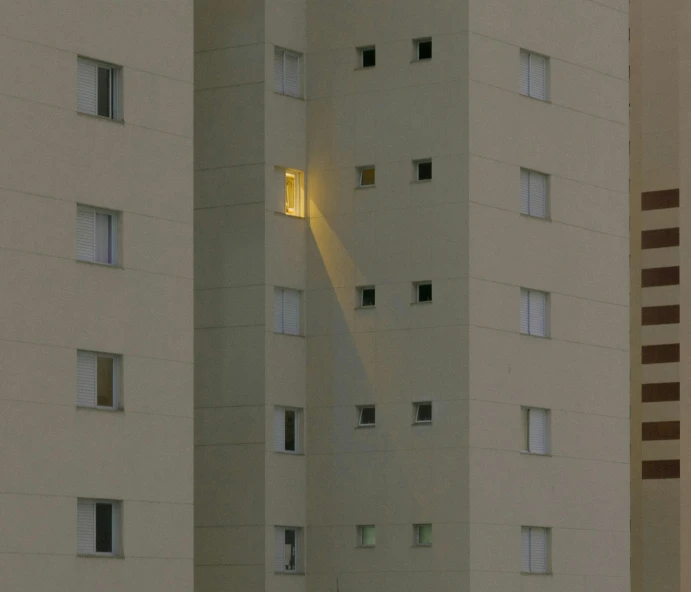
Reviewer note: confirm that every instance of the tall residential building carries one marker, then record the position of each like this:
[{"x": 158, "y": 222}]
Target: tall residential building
[
  {"x": 660, "y": 145},
  {"x": 412, "y": 295},
  {"x": 96, "y": 296}
]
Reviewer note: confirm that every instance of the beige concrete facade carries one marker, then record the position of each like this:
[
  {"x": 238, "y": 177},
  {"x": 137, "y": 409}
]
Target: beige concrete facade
[{"x": 51, "y": 305}]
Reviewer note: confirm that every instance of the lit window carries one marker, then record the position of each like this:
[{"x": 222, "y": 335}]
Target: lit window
[
  {"x": 96, "y": 232},
  {"x": 294, "y": 193},
  {"x": 287, "y": 429},
  {"x": 423, "y": 170},
  {"x": 98, "y": 88},
  {"x": 287, "y": 72},
  {"x": 367, "y": 176},
  {"x": 423, "y": 291},
  {"x": 534, "y": 549},
  {"x": 366, "y": 416},
  {"x": 366, "y": 536},
  {"x": 533, "y": 194},
  {"x": 98, "y": 527},
  {"x": 423, "y": 412},
  {"x": 423, "y": 49},
  {"x": 366, "y": 297},
  {"x": 423, "y": 535},
  {"x": 534, "y": 75},
  {"x": 368, "y": 57},
  {"x": 534, "y": 312},
  {"x": 288, "y": 542},
  {"x": 287, "y": 311},
  {"x": 97, "y": 380},
  {"x": 535, "y": 425}
]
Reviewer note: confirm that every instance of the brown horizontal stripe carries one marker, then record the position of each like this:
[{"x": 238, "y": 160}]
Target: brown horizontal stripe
[
  {"x": 660, "y": 276},
  {"x": 657, "y": 239},
  {"x": 660, "y": 354},
  {"x": 660, "y": 200},
  {"x": 660, "y": 315},
  {"x": 661, "y": 469},
  {"x": 659, "y": 392},
  {"x": 661, "y": 430}
]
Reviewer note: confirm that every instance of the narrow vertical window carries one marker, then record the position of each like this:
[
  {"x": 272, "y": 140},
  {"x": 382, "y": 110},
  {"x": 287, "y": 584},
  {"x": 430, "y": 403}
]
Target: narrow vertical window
[
  {"x": 98, "y": 524},
  {"x": 423, "y": 49},
  {"x": 368, "y": 57},
  {"x": 287, "y": 430},
  {"x": 97, "y": 380},
  {"x": 534, "y": 550},
  {"x": 287, "y": 551},
  {"x": 367, "y": 416},
  {"x": 294, "y": 193},
  {"x": 534, "y": 75},
  {"x": 366, "y": 297},
  {"x": 366, "y": 176},
  {"x": 423, "y": 413},
  {"x": 286, "y": 311},
  {"x": 534, "y": 194},
  {"x": 423, "y": 170},
  {"x": 423, "y": 535},
  {"x": 366, "y": 536},
  {"x": 536, "y": 430},
  {"x": 287, "y": 72},
  {"x": 96, "y": 231},
  {"x": 534, "y": 312},
  {"x": 422, "y": 291},
  {"x": 97, "y": 88}
]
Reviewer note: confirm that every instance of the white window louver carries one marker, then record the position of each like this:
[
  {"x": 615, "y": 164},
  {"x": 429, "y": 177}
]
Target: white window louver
[
  {"x": 86, "y": 379},
  {"x": 280, "y": 429},
  {"x": 287, "y": 311},
  {"x": 287, "y": 72},
  {"x": 533, "y": 193},
  {"x": 86, "y": 527},
  {"x": 533, "y": 75},
  {"x": 533, "y": 312},
  {"x": 87, "y": 86},
  {"x": 95, "y": 232},
  {"x": 537, "y": 431},
  {"x": 533, "y": 549}
]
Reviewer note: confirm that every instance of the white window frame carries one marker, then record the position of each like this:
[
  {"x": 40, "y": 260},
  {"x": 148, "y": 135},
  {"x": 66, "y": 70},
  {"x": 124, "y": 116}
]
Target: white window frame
[
  {"x": 416, "y": 292},
  {"x": 279, "y": 531},
  {"x": 280, "y": 293},
  {"x": 416, "y": 413},
  {"x": 417, "y": 43},
  {"x": 117, "y": 361},
  {"x": 361, "y": 536},
  {"x": 281, "y": 54},
  {"x": 361, "y": 170},
  {"x": 527, "y": 557},
  {"x": 527, "y": 295},
  {"x": 279, "y": 412},
  {"x": 416, "y": 165},
  {"x": 528, "y": 179},
  {"x": 416, "y": 535},
  {"x": 83, "y": 210},
  {"x": 529, "y": 60},
  {"x": 361, "y": 56},
  {"x": 361, "y": 297},
  {"x": 115, "y": 103},
  {"x": 532, "y": 415},
  {"x": 360, "y": 409},
  {"x": 116, "y": 528}
]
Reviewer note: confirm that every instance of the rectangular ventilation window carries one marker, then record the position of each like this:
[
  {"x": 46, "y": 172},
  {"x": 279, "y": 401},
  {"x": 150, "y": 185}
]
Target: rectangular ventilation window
[
  {"x": 534, "y": 312},
  {"x": 423, "y": 49},
  {"x": 96, "y": 232},
  {"x": 366, "y": 416},
  {"x": 98, "y": 88},
  {"x": 366, "y": 176},
  {"x": 98, "y": 526},
  {"x": 97, "y": 380},
  {"x": 287, "y": 72},
  {"x": 423, "y": 170},
  {"x": 287, "y": 551},
  {"x": 368, "y": 57},
  {"x": 287, "y": 429},
  {"x": 366, "y": 536},
  {"x": 287, "y": 311},
  {"x": 535, "y": 423},
  {"x": 534, "y": 550},
  {"x": 423, "y": 291},
  {"x": 534, "y": 75},
  {"x": 423, "y": 412},
  {"x": 366, "y": 297},
  {"x": 534, "y": 194},
  {"x": 423, "y": 535},
  {"x": 295, "y": 193}
]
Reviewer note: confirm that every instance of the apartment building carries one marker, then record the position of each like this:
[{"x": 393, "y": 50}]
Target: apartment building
[
  {"x": 412, "y": 295},
  {"x": 660, "y": 532},
  {"x": 96, "y": 296}
]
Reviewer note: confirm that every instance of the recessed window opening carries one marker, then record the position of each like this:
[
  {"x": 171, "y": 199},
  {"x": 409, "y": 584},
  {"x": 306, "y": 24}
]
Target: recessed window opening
[
  {"x": 423, "y": 535},
  {"x": 97, "y": 380},
  {"x": 97, "y": 88},
  {"x": 367, "y": 297},
  {"x": 96, "y": 232},
  {"x": 367, "y": 416},
  {"x": 423, "y": 169},
  {"x": 423, "y": 413},
  {"x": 366, "y": 536},
  {"x": 98, "y": 525},
  {"x": 423, "y": 292},
  {"x": 366, "y": 176},
  {"x": 423, "y": 49},
  {"x": 368, "y": 57}
]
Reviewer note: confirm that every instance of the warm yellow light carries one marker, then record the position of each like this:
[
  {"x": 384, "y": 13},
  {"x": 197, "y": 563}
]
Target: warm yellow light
[{"x": 291, "y": 194}]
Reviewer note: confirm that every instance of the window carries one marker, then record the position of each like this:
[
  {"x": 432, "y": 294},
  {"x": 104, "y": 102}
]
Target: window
[
  {"x": 423, "y": 170},
  {"x": 368, "y": 57},
  {"x": 533, "y": 312},
  {"x": 96, "y": 231},
  {"x": 534, "y": 549},
  {"x": 294, "y": 193},
  {"x": 533, "y": 75},
  {"x": 533, "y": 194},
  {"x": 98, "y": 88},
  {"x": 535, "y": 430},
  {"x": 97, "y": 380},
  {"x": 288, "y": 542},
  {"x": 366, "y": 175},
  {"x": 287, "y": 72},
  {"x": 423, "y": 535},
  {"x": 287, "y": 311},
  {"x": 366, "y": 536},
  {"x": 423, "y": 49},
  {"x": 423, "y": 291},
  {"x": 287, "y": 429},
  {"x": 366, "y": 297},
  {"x": 423, "y": 412},
  {"x": 366, "y": 416},
  {"x": 98, "y": 527}
]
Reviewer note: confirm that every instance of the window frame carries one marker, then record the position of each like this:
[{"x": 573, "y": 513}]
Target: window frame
[
  {"x": 116, "y": 92},
  {"x": 361, "y": 296},
  {"x": 282, "y": 290},
  {"x": 548, "y": 193},
  {"x": 416, "y": 165},
  {"x": 547, "y": 319},
  {"x": 360, "y": 409},
  {"x": 416, "y": 413},
  {"x": 116, "y": 528},
  {"x": 361, "y": 57},
  {"x": 117, "y": 364},
  {"x": 525, "y": 418},
  {"x": 416, "y": 535},
  {"x": 416, "y": 55},
  {"x": 360, "y": 530},
  {"x": 113, "y": 228},
  {"x": 548, "y": 551},
  {"x": 416, "y": 292},
  {"x": 361, "y": 170},
  {"x": 299, "y": 192},
  {"x": 299, "y": 569},
  {"x": 298, "y": 429},
  {"x": 299, "y": 57},
  {"x": 529, "y": 54}
]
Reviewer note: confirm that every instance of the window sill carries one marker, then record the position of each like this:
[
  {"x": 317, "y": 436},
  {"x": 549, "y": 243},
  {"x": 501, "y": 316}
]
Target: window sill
[
  {"x": 536, "y": 98},
  {"x": 287, "y": 215},
  {"x": 420, "y": 181},
  {"x": 289, "y": 452},
  {"x": 420, "y": 546},
  {"x": 101, "y": 117},
  {"x": 288, "y": 334},
  {"x": 528, "y": 453},
  {"x": 106, "y": 409},
  {"x": 535, "y": 573},
  {"x": 289, "y": 573},
  {"x": 99, "y": 264},
  {"x": 422, "y": 423},
  {"x": 536, "y": 336},
  {"x": 544, "y": 219},
  {"x": 365, "y": 546},
  {"x": 366, "y": 426},
  {"x": 280, "y": 94},
  {"x": 361, "y": 187},
  {"x": 365, "y": 307},
  {"x": 100, "y": 556},
  {"x": 423, "y": 302},
  {"x": 364, "y": 67}
]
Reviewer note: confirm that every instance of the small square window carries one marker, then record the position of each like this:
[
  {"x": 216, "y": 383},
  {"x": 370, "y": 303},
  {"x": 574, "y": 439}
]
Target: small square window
[
  {"x": 423, "y": 169},
  {"x": 366, "y": 297},
  {"x": 423, "y": 292},
  {"x": 423, "y": 412},
  {"x": 423, "y": 535},
  {"x": 96, "y": 235},
  {"x": 294, "y": 193},
  {"x": 368, "y": 57},
  {"x": 98, "y": 88},
  {"x": 366, "y": 536},
  {"x": 366, "y": 176},
  {"x": 98, "y": 527},
  {"x": 366, "y": 416},
  {"x": 97, "y": 380},
  {"x": 423, "y": 49}
]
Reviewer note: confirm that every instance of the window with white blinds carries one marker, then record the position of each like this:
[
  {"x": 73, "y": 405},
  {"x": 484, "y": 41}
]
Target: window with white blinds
[
  {"x": 287, "y": 549},
  {"x": 97, "y": 380},
  {"x": 96, "y": 231},
  {"x": 533, "y": 194},
  {"x": 97, "y": 88},
  {"x": 287, "y": 72},
  {"x": 98, "y": 525},
  {"x": 287, "y": 429},
  {"x": 536, "y": 430},
  {"x": 534, "y": 75},
  {"x": 534, "y": 312},
  {"x": 534, "y": 549},
  {"x": 287, "y": 311}
]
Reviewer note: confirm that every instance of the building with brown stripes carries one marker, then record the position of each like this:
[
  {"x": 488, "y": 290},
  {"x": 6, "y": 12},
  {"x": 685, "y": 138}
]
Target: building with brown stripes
[{"x": 659, "y": 149}]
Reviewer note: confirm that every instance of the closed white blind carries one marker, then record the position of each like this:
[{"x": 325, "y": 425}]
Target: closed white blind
[
  {"x": 86, "y": 379},
  {"x": 525, "y": 73},
  {"x": 291, "y": 312},
  {"x": 538, "y": 76},
  {"x": 278, "y": 70},
  {"x": 525, "y": 327},
  {"x": 291, "y": 83},
  {"x": 86, "y": 233},
  {"x": 86, "y": 527},
  {"x": 538, "y": 550},
  {"x": 525, "y": 549},
  {"x": 537, "y": 310},
  {"x": 525, "y": 192},
  {"x": 538, "y": 195},
  {"x": 87, "y": 87},
  {"x": 280, "y": 555},
  {"x": 537, "y": 431},
  {"x": 280, "y": 429}
]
